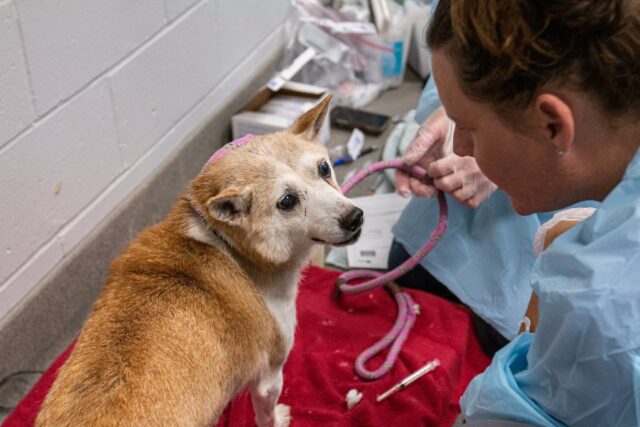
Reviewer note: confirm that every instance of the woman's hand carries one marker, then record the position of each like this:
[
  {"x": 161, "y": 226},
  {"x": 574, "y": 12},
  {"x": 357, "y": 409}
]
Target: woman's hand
[{"x": 432, "y": 148}]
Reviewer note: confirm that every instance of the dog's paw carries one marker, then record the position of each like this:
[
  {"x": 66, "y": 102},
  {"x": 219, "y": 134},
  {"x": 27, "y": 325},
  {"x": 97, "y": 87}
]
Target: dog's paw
[{"x": 282, "y": 415}]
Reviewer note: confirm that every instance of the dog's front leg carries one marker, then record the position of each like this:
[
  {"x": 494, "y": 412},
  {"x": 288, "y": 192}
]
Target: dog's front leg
[{"x": 264, "y": 396}]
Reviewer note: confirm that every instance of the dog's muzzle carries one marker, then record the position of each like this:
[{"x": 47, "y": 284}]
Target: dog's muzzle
[{"x": 352, "y": 221}]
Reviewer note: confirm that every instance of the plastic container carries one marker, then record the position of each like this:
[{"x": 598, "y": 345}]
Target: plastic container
[{"x": 395, "y": 38}]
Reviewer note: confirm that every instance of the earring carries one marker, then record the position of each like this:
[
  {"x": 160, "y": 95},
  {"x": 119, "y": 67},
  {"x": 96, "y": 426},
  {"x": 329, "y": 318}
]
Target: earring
[{"x": 560, "y": 152}]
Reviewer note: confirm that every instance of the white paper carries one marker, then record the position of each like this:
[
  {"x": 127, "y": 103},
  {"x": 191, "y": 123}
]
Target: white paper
[
  {"x": 381, "y": 212},
  {"x": 355, "y": 143}
]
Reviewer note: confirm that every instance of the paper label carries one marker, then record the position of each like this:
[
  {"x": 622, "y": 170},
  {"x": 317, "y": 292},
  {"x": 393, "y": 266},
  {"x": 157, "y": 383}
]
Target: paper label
[
  {"x": 381, "y": 212},
  {"x": 356, "y": 141}
]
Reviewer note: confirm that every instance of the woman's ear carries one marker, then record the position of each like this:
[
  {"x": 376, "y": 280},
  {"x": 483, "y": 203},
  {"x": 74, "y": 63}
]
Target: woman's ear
[
  {"x": 309, "y": 124},
  {"x": 557, "y": 119}
]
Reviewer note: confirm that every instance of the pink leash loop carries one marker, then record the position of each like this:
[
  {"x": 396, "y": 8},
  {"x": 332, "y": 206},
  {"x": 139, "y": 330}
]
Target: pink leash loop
[{"x": 407, "y": 308}]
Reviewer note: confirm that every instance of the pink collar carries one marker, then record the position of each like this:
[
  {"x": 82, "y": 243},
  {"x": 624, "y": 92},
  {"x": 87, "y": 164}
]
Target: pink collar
[
  {"x": 217, "y": 155},
  {"x": 228, "y": 147}
]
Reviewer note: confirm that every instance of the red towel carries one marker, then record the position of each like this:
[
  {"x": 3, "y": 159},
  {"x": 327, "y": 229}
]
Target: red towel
[{"x": 319, "y": 371}]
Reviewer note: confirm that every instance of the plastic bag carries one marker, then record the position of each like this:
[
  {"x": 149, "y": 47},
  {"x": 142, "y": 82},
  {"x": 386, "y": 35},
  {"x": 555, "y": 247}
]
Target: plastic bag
[{"x": 353, "y": 60}]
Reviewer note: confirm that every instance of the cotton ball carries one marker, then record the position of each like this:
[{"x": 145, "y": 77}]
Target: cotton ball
[{"x": 353, "y": 397}]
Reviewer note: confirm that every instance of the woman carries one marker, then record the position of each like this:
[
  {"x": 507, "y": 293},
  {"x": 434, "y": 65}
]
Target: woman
[
  {"x": 546, "y": 98},
  {"x": 484, "y": 260}
]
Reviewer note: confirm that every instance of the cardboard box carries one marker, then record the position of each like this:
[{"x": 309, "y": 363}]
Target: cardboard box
[{"x": 254, "y": 118}]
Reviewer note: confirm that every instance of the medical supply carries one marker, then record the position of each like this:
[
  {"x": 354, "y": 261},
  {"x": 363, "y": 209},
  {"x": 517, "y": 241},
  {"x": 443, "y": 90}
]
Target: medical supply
[
  {"x": 355, "y": 143},
  {"x": 280, "y": 102},
  {"x": 348, "y": 46},
  {"x": 276, "y": 83},
  {"x": 348, "y": 159},
  {"x": 394, "y": 33},
  {"x": 355, "y": 58},
  {"x": 270, "y": 111},
  {"x": 407, "y": 311},
  {"x": 353, "y": 398},
  {"x": 409, "y": 379}
]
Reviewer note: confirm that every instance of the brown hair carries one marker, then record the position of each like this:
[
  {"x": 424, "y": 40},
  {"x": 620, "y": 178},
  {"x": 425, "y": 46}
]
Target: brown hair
[{"x": 506, "y": 50}]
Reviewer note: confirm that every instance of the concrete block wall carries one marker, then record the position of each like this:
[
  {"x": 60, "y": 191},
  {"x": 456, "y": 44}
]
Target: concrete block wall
[{"x": 94, "y": 95}]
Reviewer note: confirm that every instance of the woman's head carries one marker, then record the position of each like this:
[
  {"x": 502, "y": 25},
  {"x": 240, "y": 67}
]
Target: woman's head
[
  {"x": 506, "y": 51},
  {"x": 525, "y": 80}
]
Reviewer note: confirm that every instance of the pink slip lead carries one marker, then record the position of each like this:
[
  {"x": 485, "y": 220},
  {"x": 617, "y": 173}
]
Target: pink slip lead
[
  {"x": 407, "y": 308},
  {"x": 237, "y": 143}
]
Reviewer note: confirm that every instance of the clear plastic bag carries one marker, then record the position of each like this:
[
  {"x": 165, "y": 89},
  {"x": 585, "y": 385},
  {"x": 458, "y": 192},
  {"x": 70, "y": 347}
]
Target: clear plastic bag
[{"x": 353, "y": 60}]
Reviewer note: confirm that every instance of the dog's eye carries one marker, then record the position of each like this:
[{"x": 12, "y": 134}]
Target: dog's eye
[
  {"x": 324, "y": 169},
  {"x": 287, "y": 203}
]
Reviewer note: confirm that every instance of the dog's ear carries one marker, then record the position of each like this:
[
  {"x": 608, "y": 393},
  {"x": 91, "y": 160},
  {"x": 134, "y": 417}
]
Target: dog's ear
[
  {"x": 230, "y": 206},
  {"x": 309, "y": 124}
]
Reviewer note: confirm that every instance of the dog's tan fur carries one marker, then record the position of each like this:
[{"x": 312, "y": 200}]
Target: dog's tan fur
[{"x": 184, "y": 321}]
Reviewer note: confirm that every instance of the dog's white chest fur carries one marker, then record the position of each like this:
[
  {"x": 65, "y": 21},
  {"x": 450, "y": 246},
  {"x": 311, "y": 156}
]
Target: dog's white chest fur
[{"x": 279, "y": 292}]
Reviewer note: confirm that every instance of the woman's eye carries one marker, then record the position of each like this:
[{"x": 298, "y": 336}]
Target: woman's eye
[
  {"x": 287, "y": 203},
  {"x": 324, "y": 169}
]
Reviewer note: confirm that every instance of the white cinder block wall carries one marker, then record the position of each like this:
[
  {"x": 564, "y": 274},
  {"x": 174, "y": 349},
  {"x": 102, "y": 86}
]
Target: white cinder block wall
[{"x": 94, "y": 94}]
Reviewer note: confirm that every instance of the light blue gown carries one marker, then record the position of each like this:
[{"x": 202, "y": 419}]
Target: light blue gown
[
  {"x": 484, "y": 258},
  {"x": 582, "y": 366}
]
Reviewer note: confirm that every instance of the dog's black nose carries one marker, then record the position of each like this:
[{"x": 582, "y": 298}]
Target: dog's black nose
[{"x": 353, "y": 220}]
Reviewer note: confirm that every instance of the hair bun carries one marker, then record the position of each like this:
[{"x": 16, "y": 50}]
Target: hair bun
[
  {"x": 506, "y": 50},
  {"x": 588, "y": 17}
]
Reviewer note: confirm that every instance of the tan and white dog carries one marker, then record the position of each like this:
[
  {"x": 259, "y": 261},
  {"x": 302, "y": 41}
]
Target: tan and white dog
[{"x": 203, "y": 304}]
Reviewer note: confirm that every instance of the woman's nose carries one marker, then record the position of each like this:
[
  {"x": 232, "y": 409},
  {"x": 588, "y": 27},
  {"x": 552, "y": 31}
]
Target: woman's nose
[{"x": 462, "y": 143}]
